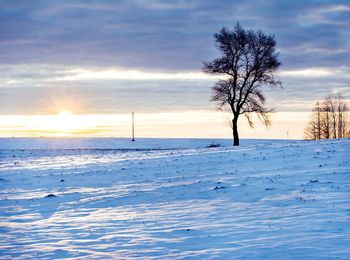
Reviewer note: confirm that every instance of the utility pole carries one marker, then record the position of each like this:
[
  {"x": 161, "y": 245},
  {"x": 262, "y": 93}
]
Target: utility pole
[{"x": 133, "y": 127}]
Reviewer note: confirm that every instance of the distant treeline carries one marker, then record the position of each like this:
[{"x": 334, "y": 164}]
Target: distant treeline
[{"x": 329, "y": 119}]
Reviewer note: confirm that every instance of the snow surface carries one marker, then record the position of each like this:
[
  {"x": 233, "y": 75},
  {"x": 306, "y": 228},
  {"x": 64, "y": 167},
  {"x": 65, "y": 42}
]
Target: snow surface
[{"x": 174, "y": 198}]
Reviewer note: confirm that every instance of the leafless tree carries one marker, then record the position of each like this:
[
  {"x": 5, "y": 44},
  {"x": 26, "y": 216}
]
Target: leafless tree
[
  {"x": 342, "y": 109},
  {"x": 330, "y": 119},
  {"x": 249, "y": 61},
  {"x": 326, "y": 119},
  {"x": 330, "y": 105},
  {"x": 313, "y": 130}
]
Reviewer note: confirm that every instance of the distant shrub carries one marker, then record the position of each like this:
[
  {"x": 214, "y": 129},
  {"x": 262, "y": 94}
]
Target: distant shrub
[{"x": 213, "y": 145}]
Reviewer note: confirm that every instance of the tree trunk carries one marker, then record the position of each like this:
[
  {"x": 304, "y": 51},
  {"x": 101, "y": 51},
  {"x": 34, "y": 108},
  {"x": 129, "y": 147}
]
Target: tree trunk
[
  {"x": 318, "y": 124},
  {"x": 235, "y": 132}
]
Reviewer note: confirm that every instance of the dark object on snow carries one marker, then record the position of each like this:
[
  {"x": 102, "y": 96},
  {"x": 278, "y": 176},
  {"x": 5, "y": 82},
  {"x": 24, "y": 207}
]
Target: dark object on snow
[
  {"x": 51, "y": 195},
  {"x": 62, "y": 180},
  {"x": 213, "y": 145}
]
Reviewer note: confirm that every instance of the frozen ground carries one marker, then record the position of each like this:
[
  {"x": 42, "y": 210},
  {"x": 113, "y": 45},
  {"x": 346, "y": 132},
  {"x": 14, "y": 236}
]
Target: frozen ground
[{"x": 166, "y": 199}]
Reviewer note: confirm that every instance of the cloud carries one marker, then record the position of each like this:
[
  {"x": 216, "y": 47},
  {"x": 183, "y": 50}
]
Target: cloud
[
  {"x": 337, "y": 14},
  {"x": 47, "y": 89},
  {"x": 102, "y": 53},
  {"x": 317, "y": 73},
  {"x": 119, "y": 74},
  {"x": 176, "y": 35}
]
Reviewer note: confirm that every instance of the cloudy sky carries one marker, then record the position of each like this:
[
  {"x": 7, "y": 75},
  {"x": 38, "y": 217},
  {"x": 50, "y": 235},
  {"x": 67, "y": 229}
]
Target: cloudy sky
[{"x": 113, "y": 57}]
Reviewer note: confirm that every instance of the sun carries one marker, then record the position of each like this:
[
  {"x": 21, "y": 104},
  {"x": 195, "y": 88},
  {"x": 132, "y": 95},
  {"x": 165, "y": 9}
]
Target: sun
[
  {"x": 64, "y": 122},
  {"x": 65, "y": 114}
]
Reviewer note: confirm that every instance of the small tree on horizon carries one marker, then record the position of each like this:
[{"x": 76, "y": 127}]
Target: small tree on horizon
[
  {"x": 329, "y": 119},
  {"x": 314, "y": 128},
  {"x": 249, "y": 61}
]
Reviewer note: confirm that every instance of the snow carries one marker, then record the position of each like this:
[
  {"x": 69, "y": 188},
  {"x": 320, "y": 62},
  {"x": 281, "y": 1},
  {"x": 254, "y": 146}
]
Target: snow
[{"x": 174, "y": 198}]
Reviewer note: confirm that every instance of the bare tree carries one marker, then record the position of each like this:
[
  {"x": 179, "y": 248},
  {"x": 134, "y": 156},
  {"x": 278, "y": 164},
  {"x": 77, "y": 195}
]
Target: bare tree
[
  {"x": 313, "y": 130},
  {"x": 326, "y": 119},
  {"x": 330, "y": 119},
  {"x": 249, "y": 61},
  {"x": 318, "y": 114},
  {"x": 342, "y": 115},
  {"x": 331, "y": 104}
]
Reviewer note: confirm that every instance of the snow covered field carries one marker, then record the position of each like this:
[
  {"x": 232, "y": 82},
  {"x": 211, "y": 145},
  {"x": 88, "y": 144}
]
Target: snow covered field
[{"x": 174, "y": 198}]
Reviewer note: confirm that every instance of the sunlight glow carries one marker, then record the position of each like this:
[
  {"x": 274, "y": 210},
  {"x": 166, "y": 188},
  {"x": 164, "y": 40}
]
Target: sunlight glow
[
  {"x": 64, "y": 123},
  {"x": 182, "y": 124}
]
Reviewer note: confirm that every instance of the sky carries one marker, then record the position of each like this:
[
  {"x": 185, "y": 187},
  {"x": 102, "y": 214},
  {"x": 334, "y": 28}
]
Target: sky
[{"x": 100, "y": 60}]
